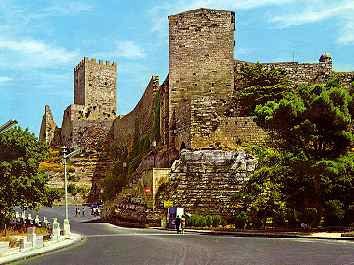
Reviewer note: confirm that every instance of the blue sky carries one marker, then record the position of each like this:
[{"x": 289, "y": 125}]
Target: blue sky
[{"x": 42, "y": 41}]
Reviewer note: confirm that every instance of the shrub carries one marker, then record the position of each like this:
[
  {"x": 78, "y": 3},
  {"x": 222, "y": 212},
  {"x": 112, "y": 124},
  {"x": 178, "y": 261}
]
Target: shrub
[
  {"x": 334, "y": 212},
  {"x": 209, "y": 220},
  {"x": 240, "y": 219},
  {"x": 310, "y": 216},
  {"x": 217, "y": 220}
]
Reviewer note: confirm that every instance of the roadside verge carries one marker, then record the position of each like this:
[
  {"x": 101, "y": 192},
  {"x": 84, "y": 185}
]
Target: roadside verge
[
  {"x": 49, "y": 246},
  {"x": 327, "y": 236}
]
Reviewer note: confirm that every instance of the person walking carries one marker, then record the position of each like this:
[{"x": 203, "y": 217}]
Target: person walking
[
  {"x": 183, "y": 224},
  {"x": 83, "y": 211},
  {"x": 178, "y": 223}
]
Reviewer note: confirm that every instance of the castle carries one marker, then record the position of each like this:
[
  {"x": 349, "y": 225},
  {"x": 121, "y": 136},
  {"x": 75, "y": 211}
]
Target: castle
[{"x": 189, "y": 110}]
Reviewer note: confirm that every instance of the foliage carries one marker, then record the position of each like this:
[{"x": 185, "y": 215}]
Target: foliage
[
  {"x": 240, "y": 219},
  {"x": 261, "y": 84},
  {"x": 197, "y": 220},
  {"x": 334, "y": 212},
  {"x": 308, "y": 167},
  {"x": 21, "y": 184}
]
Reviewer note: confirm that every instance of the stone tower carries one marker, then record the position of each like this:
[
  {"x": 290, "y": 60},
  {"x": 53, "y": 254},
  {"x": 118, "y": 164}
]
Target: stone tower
[
  {"x": 95, "y": 88},
  {"x": 201, "y": 74}
]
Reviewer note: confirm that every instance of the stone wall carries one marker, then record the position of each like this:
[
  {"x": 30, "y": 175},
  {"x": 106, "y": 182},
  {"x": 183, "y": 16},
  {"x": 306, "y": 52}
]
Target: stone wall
[
  {"x": 346, "y": 78},
  {"x": 164, "y": 112},
  {"x": 205, "y": 181},
  {"x": 48, "y": 126},
  {"x": 140, "y": 120},
  {"x": 201, "y": 74},
  {"x": 234, "y": 132},
  {"x": 298, "y": 73},
  {"x": 95, "y": 87}
]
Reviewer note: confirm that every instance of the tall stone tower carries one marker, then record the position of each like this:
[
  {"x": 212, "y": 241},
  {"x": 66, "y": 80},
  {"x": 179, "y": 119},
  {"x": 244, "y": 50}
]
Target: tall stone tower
[
  {"x": 201, "y": 74},
  {"x": 95, "y": 88}
]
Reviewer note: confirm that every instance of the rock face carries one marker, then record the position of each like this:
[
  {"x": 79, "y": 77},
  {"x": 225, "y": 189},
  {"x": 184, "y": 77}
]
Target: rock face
[{"x": 204, "y": 181}]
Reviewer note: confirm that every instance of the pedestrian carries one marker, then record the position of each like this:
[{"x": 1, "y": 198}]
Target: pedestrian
[
  {"x": 183, "y": 224},
  {"x": 83, "y": 211},
  {"x": 178, "y": 223},
  {"x": 76, "y": 210}
]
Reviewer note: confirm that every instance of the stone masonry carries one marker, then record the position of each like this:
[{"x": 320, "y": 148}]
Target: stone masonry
[
  {"x": 201, "y": 74},
  {"x": 192, "y": 103},
  {"x": 49, "y": 132}
]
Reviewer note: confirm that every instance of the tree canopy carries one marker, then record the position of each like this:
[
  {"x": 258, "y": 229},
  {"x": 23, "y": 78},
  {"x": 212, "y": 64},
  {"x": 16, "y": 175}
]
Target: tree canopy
[
  {"x": 20, "y": 182},
  {"x": 306, "y": 171}
]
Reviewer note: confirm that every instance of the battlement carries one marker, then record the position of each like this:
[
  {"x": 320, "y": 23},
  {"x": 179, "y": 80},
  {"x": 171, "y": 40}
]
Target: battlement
[
  {"x": 201, "y": 10},
  {"x": 87, "y": 60},
  {"x": 95, "y": 88}
]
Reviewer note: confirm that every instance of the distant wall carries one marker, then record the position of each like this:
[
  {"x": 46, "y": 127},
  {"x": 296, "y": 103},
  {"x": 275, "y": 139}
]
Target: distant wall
[
  {"x": 346, "y": 78},
  {"x": 297, "y": 72},
  {"x": 139, "y": 121}
]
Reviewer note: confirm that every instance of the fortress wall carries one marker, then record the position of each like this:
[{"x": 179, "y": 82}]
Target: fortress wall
[
  {"x": 297, "y": 72},
  {"x": 164, "y": 112},
  {"x": 48, "y": 126},
  {"x": 140, "y": 120},
  {"x": 234, "y": 132},
  {"x": 346, "y": 78},
  {"x": 201, "y": 74}
]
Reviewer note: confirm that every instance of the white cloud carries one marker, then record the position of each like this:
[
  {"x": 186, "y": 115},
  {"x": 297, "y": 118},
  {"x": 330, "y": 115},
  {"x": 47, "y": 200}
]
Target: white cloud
[
  {"x": 5, "y": 79},
  {"x": 347, "y": 31},
  {"x": 62, "y": 9},
  {"x": 124, "y": 49},
  {"x": 321, "y": 10},
  {"x": 34, "y": 54},
  {"x": 129, "y": 49},
  {"x": 314, "y": 14},
  {"x": 159, "y": 13},
  {"x": 299, "y": 12}
]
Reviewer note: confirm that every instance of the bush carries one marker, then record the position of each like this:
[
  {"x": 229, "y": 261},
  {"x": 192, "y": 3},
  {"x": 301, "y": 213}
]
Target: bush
[
  {"x": 217, "y": 220},
  {"x": 334, "y": 212},
  {"x": 310, "y": 216},
  {"x": 240, "y": 219},
  {"x": 209, "y": 220}
]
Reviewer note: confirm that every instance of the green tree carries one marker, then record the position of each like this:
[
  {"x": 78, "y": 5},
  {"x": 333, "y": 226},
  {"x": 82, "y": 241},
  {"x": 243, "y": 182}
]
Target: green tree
[
  {"x": 261, "y": 84},
  {"x": 311, "y": 130},
  {"x": 20, "y": 182}
]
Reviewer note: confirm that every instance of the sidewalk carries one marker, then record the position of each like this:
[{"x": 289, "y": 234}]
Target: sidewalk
[
  {"x": 13, "y": 254},
  {"x": 266, "y": 234}
]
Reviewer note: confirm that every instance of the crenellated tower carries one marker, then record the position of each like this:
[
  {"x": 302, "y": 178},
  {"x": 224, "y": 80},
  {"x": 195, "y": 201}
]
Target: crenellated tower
[{"x": 95, "y": 88}]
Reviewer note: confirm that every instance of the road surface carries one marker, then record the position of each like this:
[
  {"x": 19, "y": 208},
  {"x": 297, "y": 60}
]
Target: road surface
[{"x": 107, "y": 244}]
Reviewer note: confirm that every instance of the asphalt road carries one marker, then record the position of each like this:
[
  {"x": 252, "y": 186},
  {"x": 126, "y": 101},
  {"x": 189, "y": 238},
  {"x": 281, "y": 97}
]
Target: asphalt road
[{"x": 107, "y": 244}]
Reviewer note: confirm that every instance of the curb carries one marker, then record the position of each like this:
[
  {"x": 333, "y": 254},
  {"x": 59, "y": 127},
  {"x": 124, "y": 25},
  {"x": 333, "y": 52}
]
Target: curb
[
  {"x": 47, "y": 249},
  {"x": 260, "y": 235}
]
